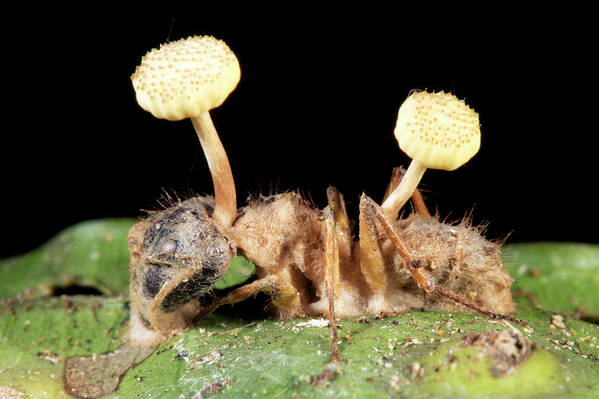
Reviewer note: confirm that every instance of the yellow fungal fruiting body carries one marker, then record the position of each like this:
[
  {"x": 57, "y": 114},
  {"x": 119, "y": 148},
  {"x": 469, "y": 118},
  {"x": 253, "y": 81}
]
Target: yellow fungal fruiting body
[
  {"x": 438, "y": 130},
  {"x": 185, "y": 78}
]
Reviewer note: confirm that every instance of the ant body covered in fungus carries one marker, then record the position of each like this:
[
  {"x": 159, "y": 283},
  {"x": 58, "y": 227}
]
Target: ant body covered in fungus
[{"x": 307, "y": 259}]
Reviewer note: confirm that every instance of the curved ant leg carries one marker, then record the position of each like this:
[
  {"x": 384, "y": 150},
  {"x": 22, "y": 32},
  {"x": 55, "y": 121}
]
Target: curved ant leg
[
  {"x": 414, "y": 265},
  {"x": 282, "y": 292},
  {"x": 417, "y": 199}
]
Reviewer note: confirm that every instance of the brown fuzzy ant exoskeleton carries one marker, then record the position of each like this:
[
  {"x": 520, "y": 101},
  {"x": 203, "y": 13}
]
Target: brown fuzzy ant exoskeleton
[
  {"x": 306, "y": 259},
  {"x": 309, "y": 264}
]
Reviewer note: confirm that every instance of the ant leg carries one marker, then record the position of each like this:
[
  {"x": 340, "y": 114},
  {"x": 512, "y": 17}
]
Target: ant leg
[
  {"x": 272, "y": 285},
  {"x": 332, "y": 276},
  {"x": 343, "y": 234},
  {"x": 372, "y": 262},
  {"x": 417, "y": 199},
  {"x": 415, "y": 264},
  {"x": 419, "y": 204},
  {"x": 396, "y": 175},
  {"x": 368, "y": 206},
  {"x": 337, "y": 205}
]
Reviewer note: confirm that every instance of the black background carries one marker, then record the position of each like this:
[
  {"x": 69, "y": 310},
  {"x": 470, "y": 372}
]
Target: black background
[{"x": 316, "y": 105}]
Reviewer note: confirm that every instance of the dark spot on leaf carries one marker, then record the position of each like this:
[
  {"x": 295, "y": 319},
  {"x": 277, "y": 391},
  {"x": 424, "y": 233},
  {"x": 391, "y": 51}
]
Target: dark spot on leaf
[{"x": 590, "y": 318}]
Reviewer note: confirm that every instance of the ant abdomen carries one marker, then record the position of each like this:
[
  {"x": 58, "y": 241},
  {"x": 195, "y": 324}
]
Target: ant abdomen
[{"x": 458, "y": 259}]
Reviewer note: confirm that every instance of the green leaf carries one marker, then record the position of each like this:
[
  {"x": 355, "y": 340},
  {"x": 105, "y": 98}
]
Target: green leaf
[
  {"x": 231, "y": 357},
  {"x": 92, "y": 253},
  {"x": 36, "y": 337},
  {"x": 563, "y": 277},
  {"x": 281, "y": 358},
  {"x": 239, "y": 271}
]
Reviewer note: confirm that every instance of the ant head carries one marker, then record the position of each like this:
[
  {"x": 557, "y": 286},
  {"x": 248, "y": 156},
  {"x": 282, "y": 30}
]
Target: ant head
[{"x": 177, "y": 255}]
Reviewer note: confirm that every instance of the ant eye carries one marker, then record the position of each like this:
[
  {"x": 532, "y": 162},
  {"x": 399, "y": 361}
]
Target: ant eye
[{"x": 169, "y": 247}]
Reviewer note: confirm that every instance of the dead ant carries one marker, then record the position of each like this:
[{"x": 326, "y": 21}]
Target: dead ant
[{"x": 306, "y": 259}]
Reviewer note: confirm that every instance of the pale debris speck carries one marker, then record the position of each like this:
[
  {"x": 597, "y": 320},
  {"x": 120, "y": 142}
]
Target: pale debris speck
[
  {"x": 558, "y": 321},
  {"x": 522, "y": 269},
  {"x": 7, "y": 392},
  {"x": 313, "y": 323}
]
